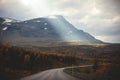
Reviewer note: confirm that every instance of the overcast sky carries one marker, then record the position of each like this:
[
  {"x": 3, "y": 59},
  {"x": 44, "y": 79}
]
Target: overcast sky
[{"x": 101, "y": 18}]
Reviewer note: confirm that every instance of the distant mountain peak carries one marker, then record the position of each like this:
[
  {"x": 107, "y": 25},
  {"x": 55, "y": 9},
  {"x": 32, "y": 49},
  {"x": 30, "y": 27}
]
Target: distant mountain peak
[
  {"x": 49, "y": 28},
  {"x": 54, "y": 17}
]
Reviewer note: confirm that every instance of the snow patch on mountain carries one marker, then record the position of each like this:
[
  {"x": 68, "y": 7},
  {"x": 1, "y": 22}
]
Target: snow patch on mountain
[
  {"x": 45, "y": 28},
  {"x": 5, "y": 28},
  {"x": 8, "y": 20},
  {"x": 38, "y": 21},
  {"x": 45, "y": 23}
]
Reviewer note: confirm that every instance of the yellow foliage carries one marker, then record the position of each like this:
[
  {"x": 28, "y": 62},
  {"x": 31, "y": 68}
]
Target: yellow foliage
[{"x": 26, "y": 58}]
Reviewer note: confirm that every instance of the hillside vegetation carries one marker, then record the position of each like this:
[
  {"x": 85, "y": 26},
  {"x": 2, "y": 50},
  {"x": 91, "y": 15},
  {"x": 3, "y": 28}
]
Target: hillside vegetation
[{"x": 17, "y": 62}]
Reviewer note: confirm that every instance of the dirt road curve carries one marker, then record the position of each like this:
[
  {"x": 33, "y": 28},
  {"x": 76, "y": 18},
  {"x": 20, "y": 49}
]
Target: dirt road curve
[{"x": 53, "y": 74}]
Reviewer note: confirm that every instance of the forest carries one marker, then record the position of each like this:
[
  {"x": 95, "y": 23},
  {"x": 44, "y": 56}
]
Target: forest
[
  {"x": 22, "y": 62},
  {"x": 17, "y": 62}
]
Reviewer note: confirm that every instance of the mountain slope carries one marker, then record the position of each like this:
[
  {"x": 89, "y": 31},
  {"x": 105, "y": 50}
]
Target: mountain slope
[{"x": 50, "y": 28}]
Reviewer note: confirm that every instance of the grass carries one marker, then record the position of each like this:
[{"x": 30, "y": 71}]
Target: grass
[{"x": 84, "y": 73}]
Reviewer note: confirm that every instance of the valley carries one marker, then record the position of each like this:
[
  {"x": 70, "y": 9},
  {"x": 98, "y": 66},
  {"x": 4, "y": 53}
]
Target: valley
[
  {"x": 17, "y": 62},
  {"x": 52, "y": 43}
]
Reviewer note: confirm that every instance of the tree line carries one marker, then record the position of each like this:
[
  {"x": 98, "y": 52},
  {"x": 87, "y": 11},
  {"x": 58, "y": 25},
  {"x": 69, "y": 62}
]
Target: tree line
[{"x": 17, "y": 57}]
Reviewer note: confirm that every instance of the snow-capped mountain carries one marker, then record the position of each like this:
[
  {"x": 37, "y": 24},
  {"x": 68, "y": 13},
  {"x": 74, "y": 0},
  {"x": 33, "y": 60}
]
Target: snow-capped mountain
[
  {"x": 50, "y": 28},
  {"x": 6, "y": 22}
]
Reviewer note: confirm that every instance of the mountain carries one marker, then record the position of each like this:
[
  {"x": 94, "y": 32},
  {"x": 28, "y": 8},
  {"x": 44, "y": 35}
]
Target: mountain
[{"x": 50, "y": 28}]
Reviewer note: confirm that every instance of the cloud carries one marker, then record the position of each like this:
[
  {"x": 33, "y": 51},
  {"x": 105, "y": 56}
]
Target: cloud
[
  {"x": 97, "y": 17},
  {"x": 113, "y": 39},
  {"x": 14, "y": 9},
  {"x": 110, "y": 5}
]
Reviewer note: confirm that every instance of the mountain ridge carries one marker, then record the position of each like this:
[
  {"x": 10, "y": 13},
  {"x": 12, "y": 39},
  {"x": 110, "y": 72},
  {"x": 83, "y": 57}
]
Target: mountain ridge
[{"x": 54, "y": 28}]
